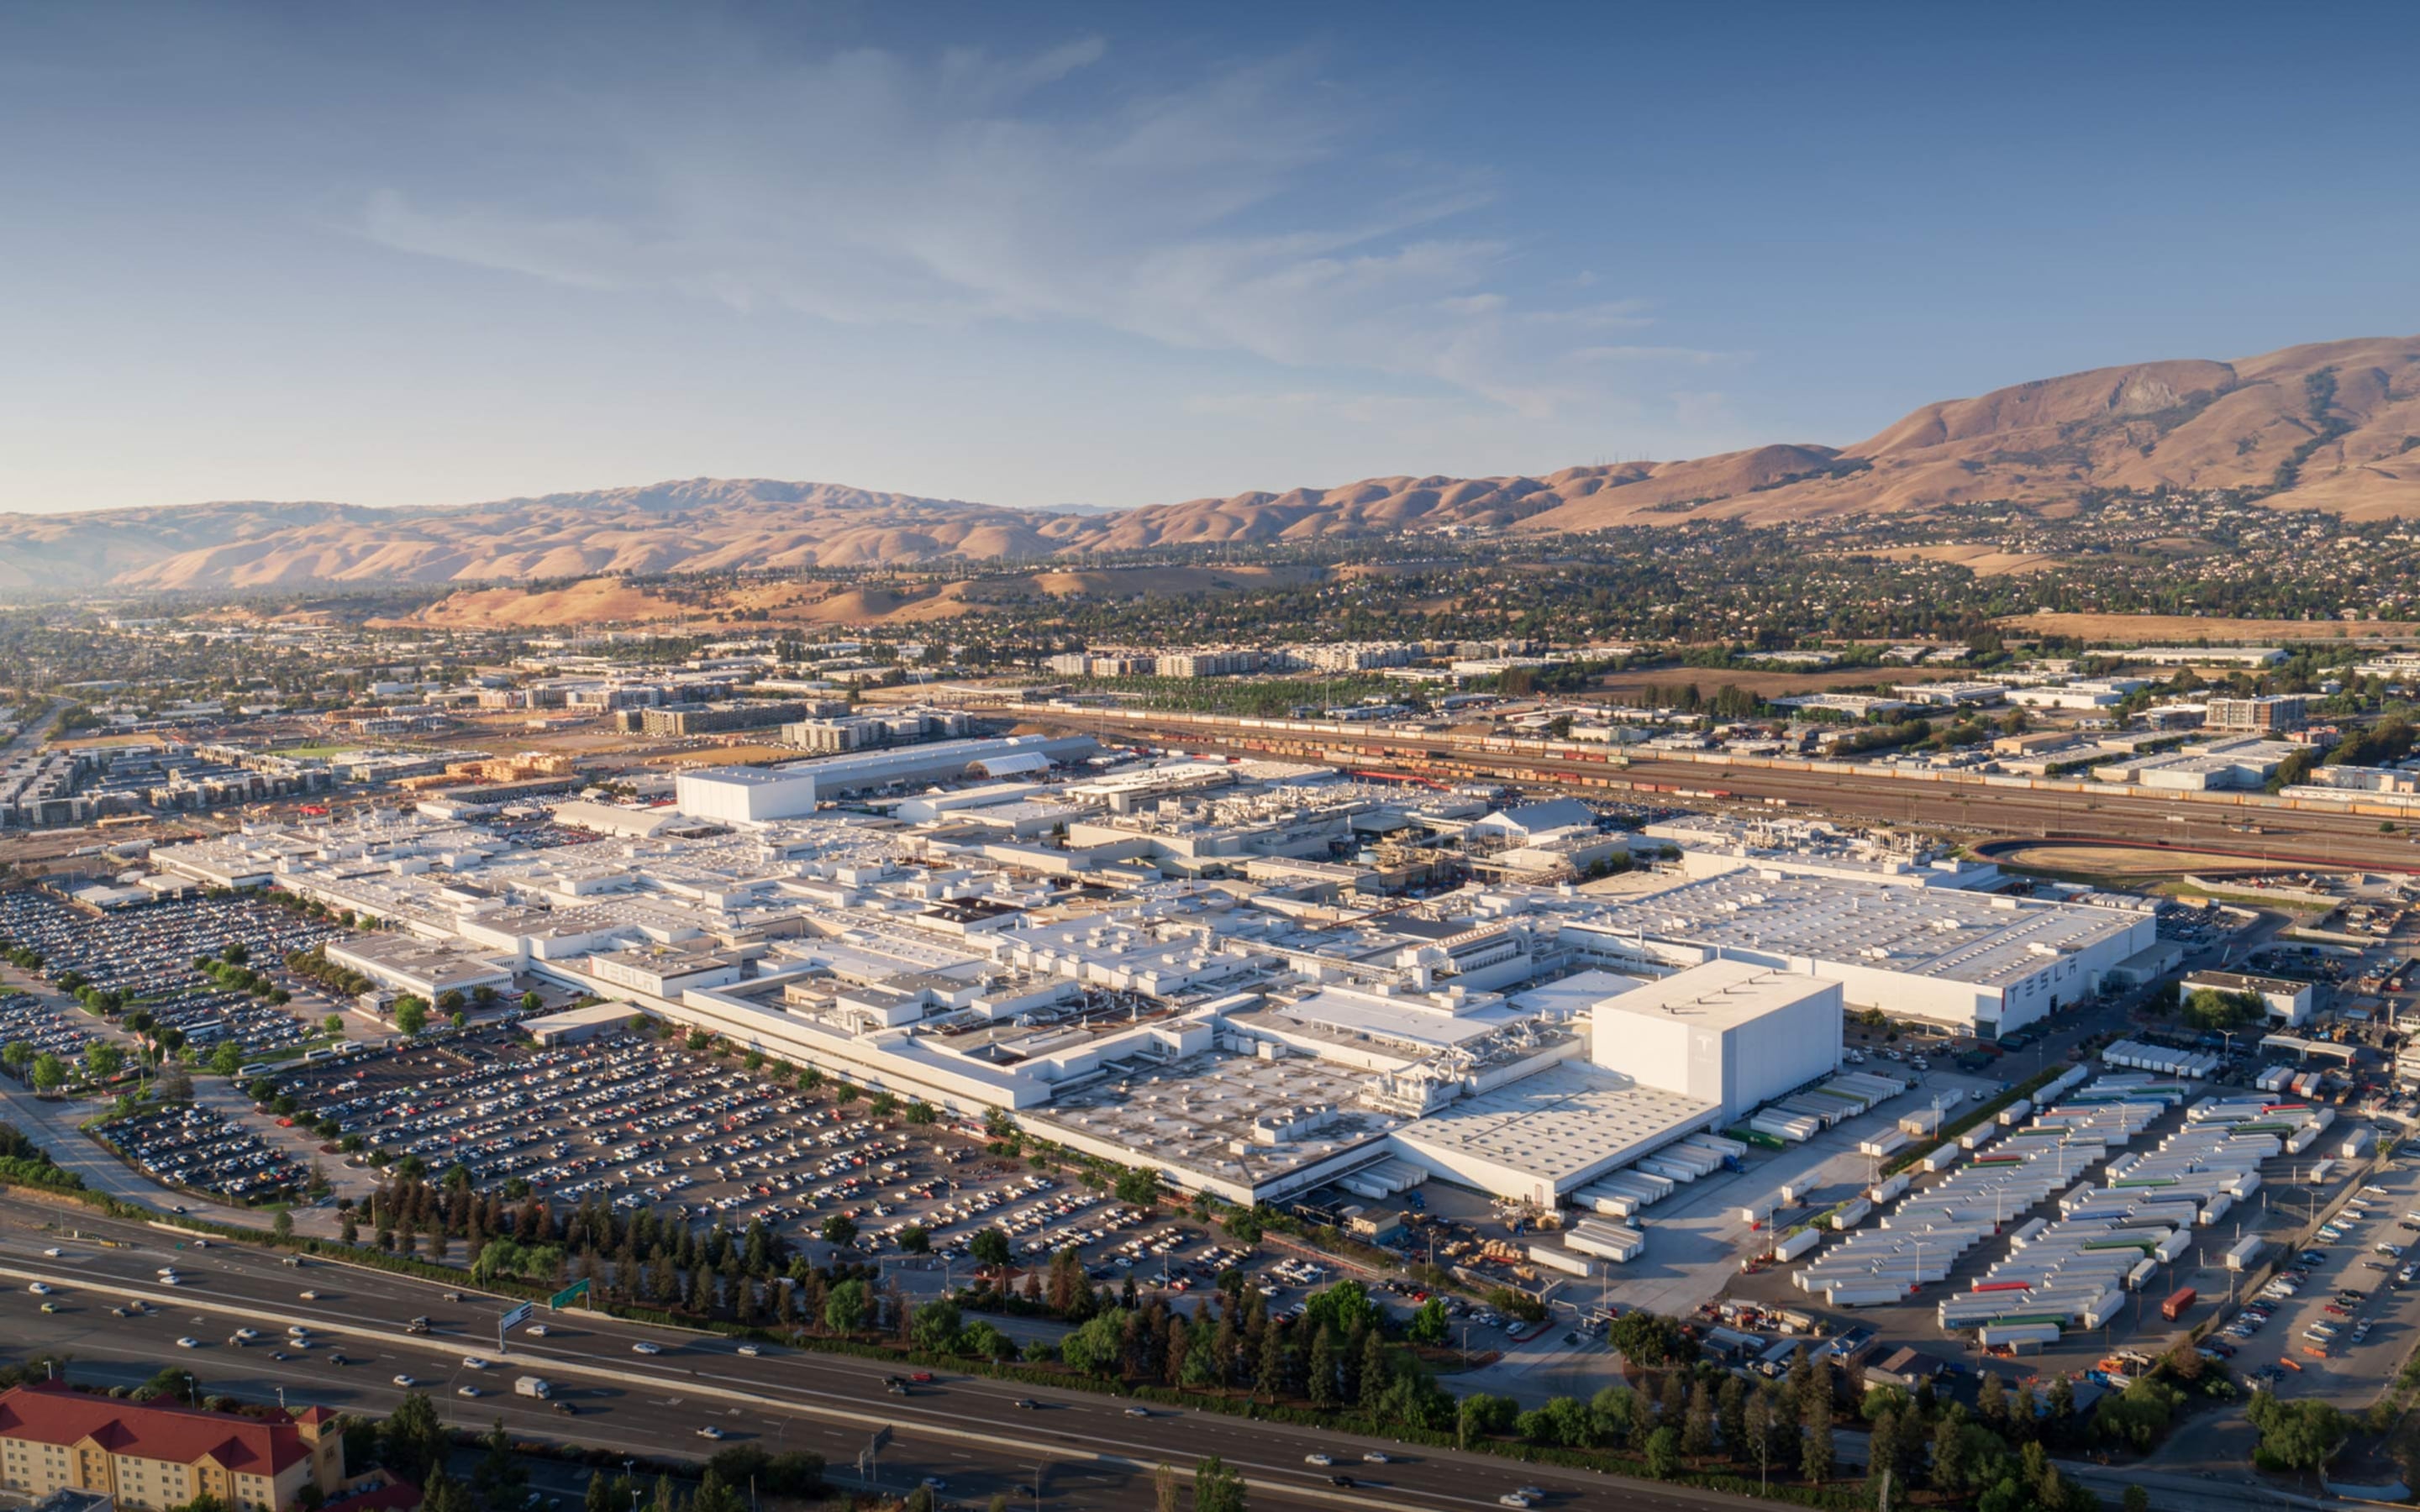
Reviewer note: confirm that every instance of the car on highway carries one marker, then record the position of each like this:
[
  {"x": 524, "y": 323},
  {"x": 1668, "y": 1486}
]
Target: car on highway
[
  {"x": 405, "y": 1381},
  {"x": 567, "y": 1409},
  {"x": 188, "y": 1343},
  {"x": 1026, "y": 1404},
  {"x": 471, "y": 1362},
  {"x": 535, "y": 1330},
  {"x": 1138, "y": 1411},
  {"x": 1376, "y": 1457},
  {"x": 466, "y": 1389},
  {"x": 751, "y": 1350},
  {"x": 247, "y": 1335},
  {"x": 935, "y": 1483},
  {"x": 709, "y": 1432},
  {"x": 53, "y": 1252},
  {"x": 646, "y": 1346},
  {"x": 1516, "y": 1497},
  {"x": 50, "y": 1306},
  {"x": 1316, "y": 1458},
  {"x": 453, "y": 1296},
  {"x": 39, "y": 1288},
  {"x": 310, "y": 1296}
]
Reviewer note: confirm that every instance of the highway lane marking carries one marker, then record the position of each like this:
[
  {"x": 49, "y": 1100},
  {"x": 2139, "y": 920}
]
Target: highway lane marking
[
  {"x": 920, "y": 1424},
  {"x": 867, "y": 1420}
]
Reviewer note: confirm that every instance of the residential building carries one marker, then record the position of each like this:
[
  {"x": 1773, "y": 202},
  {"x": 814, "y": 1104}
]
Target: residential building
[{"x": 142, "y": 1455}]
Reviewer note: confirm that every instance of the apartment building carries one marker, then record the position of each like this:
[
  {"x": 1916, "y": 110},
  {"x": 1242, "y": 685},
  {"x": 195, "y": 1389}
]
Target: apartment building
[
  {"x": 2274, "y": 711},
  {"x": 52, "y": 1439}
]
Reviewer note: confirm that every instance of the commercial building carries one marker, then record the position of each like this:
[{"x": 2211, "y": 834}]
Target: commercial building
[
  {"x": 1730, "y": 1033},
  {"x": 744, "y": 795},
  {"x": 2281, "y": 999},
  {"x": 2273, "y": 711},
  {"x": 52, "y": 1439}
]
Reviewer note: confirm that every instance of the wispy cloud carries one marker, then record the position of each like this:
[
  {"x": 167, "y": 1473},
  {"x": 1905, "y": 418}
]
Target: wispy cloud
[{"x": 1235, "y": 211}]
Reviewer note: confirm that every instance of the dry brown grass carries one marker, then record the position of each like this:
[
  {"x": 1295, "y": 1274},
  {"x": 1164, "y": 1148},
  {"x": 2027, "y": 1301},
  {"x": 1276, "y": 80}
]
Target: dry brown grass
[{"x": 2166, "y": 629}]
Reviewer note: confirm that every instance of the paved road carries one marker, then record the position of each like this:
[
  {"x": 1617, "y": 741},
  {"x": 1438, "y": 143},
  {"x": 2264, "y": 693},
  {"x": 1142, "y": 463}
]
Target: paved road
[{"x": 965, "y": 1430}]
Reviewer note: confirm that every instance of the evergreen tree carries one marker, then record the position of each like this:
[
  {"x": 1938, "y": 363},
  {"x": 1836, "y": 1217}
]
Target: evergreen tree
[{"x": 1698, "y": 1421}]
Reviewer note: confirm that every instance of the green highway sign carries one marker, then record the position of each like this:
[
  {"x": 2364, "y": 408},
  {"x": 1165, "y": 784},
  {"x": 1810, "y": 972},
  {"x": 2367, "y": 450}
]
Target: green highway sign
[{"x": 567, "y": 1296}]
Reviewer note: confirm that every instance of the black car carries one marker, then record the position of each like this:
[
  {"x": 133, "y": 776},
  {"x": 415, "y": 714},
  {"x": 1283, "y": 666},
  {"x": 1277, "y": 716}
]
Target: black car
[
  {"x": 1340, "y": 1480},
  {"x": 567, "y": 1409}
]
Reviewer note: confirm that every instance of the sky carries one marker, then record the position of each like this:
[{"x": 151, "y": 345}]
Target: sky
[{"x": 1118, "y": 254}]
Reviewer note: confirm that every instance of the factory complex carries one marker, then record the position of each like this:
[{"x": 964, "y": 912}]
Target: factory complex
[{"x": 1255, "y": 978}]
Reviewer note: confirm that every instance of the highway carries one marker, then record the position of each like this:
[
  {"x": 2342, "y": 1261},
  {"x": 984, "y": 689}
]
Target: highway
[{"x": 966, "y": 1430}]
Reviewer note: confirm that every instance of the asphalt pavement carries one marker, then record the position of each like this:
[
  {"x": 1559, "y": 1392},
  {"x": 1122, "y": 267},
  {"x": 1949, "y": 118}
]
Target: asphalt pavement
[{"x": 966, "y": 1430}]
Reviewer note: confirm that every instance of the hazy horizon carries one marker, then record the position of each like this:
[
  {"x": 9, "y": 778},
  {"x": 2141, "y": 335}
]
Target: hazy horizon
[{"x": 1086, "y": 256}]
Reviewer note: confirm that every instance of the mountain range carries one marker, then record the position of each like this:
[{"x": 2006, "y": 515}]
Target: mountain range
[{"x": 2334, "y": 426}]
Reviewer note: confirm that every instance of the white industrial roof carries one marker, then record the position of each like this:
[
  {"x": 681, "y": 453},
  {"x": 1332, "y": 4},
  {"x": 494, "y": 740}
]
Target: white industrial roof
[
  {"x": 1559, "y": 1123},
  {"x": 1718, "y": 994}
]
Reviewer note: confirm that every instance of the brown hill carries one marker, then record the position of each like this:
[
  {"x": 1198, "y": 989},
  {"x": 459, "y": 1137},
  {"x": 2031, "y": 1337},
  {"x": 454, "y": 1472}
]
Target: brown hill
[{"x": 2332, "y": 426}]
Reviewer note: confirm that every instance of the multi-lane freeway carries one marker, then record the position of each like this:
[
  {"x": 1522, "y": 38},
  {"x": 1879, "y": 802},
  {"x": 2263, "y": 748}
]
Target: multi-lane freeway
[{"x": 1092, "y": 1451}]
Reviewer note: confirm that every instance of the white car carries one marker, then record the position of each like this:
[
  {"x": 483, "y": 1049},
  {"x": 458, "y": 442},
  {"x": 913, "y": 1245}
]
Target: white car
[
  {"x": 188, "y": 1343},
  {"x": 406, "y": 1382},
  {"x": 53, "y": 1252},
  {"x": 1317, "y": 1459},
  {"x": 247, "y": 1335},
  {"x": 535, "y": 1330},
  {"x": 643, "y": 1346},
  {"x": 466, "y": 1390},
  {"x": 1516, "y": 1497},
  {"x": 471, "y": 1362},
  {"x": 1376, "y": 1457},
  {"x": 709, "y": 1432},
  {"x": 39, "y": 1288},
  {"x": 751, "y": 1350},
  {"x": 172, "y": 1279}
]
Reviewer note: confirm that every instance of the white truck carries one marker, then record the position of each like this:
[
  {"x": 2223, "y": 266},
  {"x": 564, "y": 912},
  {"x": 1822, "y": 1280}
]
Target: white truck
[{"x": 533, "y": 1386}]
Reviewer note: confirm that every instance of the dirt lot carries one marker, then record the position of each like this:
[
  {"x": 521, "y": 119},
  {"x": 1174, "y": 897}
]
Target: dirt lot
[
  {"x": 2161, "y": 629},
  {"x": 2126, "y": 860}
]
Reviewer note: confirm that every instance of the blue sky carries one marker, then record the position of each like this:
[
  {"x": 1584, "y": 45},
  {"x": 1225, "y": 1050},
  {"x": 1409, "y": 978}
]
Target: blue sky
[{"x": 1122, "y": 255}]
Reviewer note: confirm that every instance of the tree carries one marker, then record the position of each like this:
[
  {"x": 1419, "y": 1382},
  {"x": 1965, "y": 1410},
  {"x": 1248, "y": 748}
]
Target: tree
[
  {"x": 913, "y": 1240},
  {"x": 532, "y": 1002},
  {"x": 1698, "y": 1421},
  {"x": 16, "y": 1055},
  {"x": 282, "y": 1226},
  {"x": 839, "y": 1229},
  {"x": 412, "y": 1442},
  {"x": 498, "y": 1479},
  {"x": 2136, "y": 1500},
  {"x": 1646, "y": 1338},
  {"x": 1167, "y": 1490},
  {"x": 847, "y": 1306},
  {"x": 934, "y": 1327},
  {"x": 990, "y": 1248},
  {"x": 1138, "y": 1188},
  {"x": 1217, "y": 1488},
  {"x": 1815, "y": 1454},
  {"x": 50, "y": 1073},
  {"x": 102, "y": 1060},
  {"x": 882, "y": 1104},
  {"x": 228, "y": 1059},
  {"x": 1664, "y": 1452},
  {"x": 410, "y": 1015}
]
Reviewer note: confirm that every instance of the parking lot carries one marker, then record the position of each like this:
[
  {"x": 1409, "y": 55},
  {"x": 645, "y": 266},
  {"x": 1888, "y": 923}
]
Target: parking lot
[
  {"x": 26, "y": 1020},
  {"x": 146, "y": 955},
  {"x": 202, "y": 1151},
  {"x": 645, "y": 1123}
]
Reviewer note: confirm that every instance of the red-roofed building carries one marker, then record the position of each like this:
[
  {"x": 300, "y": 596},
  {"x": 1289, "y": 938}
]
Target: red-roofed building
[{"x": 144, "y": 1456}]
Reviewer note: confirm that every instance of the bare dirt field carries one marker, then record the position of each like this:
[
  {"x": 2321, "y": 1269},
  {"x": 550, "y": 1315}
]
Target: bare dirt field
[
  {"x": 2163, "y": 629},
  {"x": 2129, "y": 860},
  {"x": 1983, "y": 560}
]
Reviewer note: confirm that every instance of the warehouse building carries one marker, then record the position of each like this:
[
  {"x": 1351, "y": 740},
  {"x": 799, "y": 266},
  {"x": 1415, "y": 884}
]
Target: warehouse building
[{"x": 1729, "y": 1033}]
